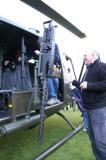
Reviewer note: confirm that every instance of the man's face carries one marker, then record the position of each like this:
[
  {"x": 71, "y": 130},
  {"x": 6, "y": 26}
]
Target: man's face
[{"x": 88, "y": 58}]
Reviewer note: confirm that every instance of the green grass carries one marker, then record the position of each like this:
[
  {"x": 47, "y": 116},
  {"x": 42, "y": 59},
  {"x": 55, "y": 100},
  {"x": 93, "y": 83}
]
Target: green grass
[{"x": 23, "y": 145}]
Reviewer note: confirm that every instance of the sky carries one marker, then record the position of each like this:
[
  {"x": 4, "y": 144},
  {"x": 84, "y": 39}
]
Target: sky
[{"x": 86, "y": 15}]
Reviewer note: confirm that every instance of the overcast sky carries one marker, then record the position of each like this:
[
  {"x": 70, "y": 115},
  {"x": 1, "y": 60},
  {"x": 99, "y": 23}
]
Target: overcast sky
[{"x": 87, "y": 15}]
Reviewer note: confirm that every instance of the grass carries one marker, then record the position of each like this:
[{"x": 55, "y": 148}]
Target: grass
[{"x": 23, "y": 145}]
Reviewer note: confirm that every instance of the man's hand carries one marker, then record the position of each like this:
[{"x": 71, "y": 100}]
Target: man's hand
[
  {"x": 6, "y": 62},
  {"x": 83, "y": 85}
]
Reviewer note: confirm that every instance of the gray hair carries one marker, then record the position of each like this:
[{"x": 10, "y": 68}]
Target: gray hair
[{"x": 97, "y": 55}]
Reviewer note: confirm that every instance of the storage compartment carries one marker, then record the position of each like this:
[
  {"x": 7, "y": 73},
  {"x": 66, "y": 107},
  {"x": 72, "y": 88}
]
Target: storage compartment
[{"x": 20, "y": 102}]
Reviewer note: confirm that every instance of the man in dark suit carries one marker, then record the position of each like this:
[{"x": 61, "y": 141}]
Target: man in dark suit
[{"x": 93, "y": 92}]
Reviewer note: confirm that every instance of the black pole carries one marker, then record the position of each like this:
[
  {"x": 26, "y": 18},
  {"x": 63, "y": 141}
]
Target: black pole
[
  {"x": 69, "y": 122},
  {"x": 51, "y": 149},
  {"x": 73, "y": 68},
  {"x": 81, "y": 72}
]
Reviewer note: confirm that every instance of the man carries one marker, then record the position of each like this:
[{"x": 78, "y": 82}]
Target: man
[
  {"x": 53, "y": 82},
  {"x": 94, "y": 100}
]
